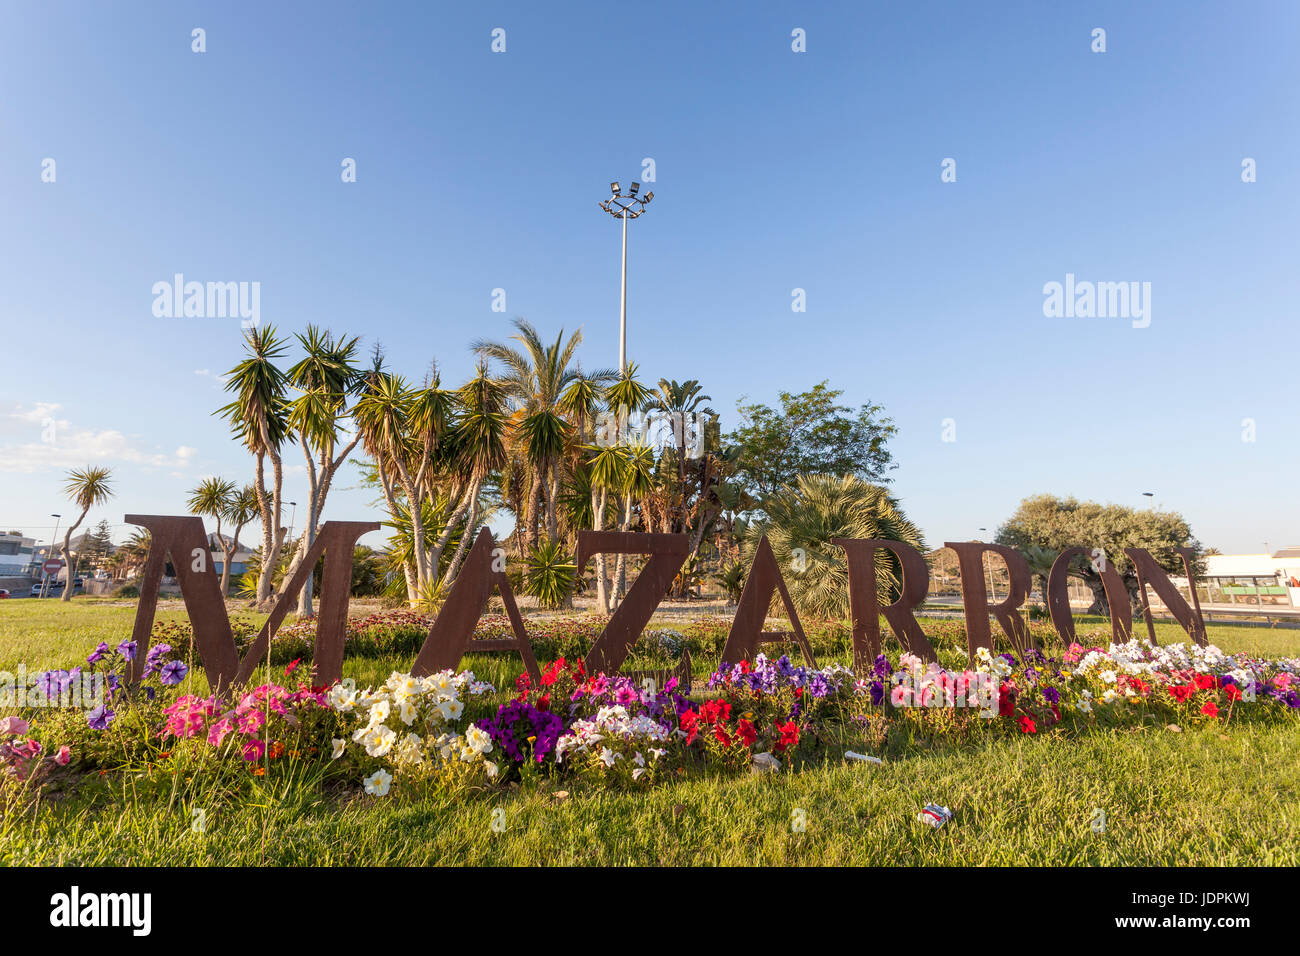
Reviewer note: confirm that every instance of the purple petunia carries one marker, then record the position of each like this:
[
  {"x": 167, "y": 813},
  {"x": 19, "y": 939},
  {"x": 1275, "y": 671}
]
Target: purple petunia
[
  {"x": 98, "y": 653},
  {"x": 516, "y": 722},
  {"x": 173, "y": 672},
  {"x": 100, "y": 718},
  {"x": 127, "y": 649}
]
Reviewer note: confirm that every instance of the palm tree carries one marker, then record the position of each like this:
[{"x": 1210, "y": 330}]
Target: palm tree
[
  {"x": 680, "y": 401},
  {"x": 135, "y": 552},
  {"x": 243, "y": 509},
  {"x": 536, "y": 379},
  {"x": 326, "y": 376},
  {"x": 803, "y": 518},
  {"x": 638, "y": 480},
  {"x": 607, "y": 468},
  {"x": 477, "y": 449},
  {"x": 213, "y": 498},
  {"x": 86, "y": 488},
  {"x": 259, "y": 416},
  {"x": 382, "y": 415}
]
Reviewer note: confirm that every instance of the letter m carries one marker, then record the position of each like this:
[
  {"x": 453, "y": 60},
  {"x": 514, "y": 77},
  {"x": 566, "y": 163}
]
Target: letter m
[{"x": 181, "y": 537}]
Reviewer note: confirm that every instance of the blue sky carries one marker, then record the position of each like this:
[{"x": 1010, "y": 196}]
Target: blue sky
[{"x": 774, "y": 170}]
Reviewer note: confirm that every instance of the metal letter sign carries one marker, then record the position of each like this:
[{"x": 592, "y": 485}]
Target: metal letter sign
[{"x": 452, "y": 633}]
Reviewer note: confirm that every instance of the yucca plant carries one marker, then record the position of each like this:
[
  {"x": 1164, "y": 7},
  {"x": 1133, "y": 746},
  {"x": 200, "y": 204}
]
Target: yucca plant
[
  {"x": 803, "y": 519},
  {"x": 550, "y": 574},
  {"x": 732, "y": 579}
]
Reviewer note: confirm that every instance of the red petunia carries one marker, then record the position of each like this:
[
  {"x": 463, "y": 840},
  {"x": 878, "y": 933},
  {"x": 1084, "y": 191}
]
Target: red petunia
[
  {"x": 1233, "y": 691},
  {"x": 746, "y": 732},
  {"x": 714, "y": 711},
  {"x": 1006, "y": 700},
  {"x": 1027, "y": 725},
  {"x": 1181, "y": 692},
  {"x": 1205, "y": 682},
  {"x": 689, "y": 722},
  {"x": 720, "y": 734},
  {"x": 544, "y": 702},
  {"x": 1210, "y": 709},
  {"x": 789, "y": 736}
]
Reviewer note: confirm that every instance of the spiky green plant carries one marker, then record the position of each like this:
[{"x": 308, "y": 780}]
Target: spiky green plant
[
  {"x": 803, "y": 519},
  {"x": 550, "y": 574}
]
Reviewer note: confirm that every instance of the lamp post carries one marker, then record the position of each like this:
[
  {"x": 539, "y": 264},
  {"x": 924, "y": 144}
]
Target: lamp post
[
  {"x": 45, "y": 585},
  {"x": 1150, "y": 497},
  {"x": 624, "y": 207}
]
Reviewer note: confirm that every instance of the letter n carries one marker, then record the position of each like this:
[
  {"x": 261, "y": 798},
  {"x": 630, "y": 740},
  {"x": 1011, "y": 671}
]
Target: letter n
[
  {"x": 747, "y": 629},
  {"x": 1187, "y": 616},
  {"x": 667, "y": 555},
  {"x": 864, "y": 600},
  {"x": 975, "y": 601},
  {"x": 452, "y": 633}
]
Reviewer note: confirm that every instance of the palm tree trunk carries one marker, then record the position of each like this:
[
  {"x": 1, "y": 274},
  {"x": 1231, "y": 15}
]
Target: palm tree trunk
[
  {"x": 70, "y": 559},
  {"x": 552, "y": 493},
  {"x": 620, "y": 574},
  {"x": 531, "y": 519},
  {"x": 465, "y": 537},
  {"x": 598, "y": 524}
]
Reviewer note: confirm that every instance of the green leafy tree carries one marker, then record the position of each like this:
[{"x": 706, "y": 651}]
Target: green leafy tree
[
  {"x": 1054, "y": 524},
  {"x": 810, "y": 434}
]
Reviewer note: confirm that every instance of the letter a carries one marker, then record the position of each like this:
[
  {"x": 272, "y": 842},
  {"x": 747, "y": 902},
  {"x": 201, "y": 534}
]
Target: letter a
[
  {"x": 747, "y": 629},
  {"x": 452, "y": 633}
]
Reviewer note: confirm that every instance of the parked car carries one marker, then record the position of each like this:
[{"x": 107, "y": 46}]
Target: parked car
[
  {"x": 55, "y": 587},
  {"x": 3, "y": 594}
]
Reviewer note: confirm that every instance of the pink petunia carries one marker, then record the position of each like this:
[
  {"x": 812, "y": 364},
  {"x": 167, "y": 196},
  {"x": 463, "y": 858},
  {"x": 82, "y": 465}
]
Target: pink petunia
[
  {"x": 219, "y": 731},
  {"x": 14, "y": 726},
  {"x": 64, "y": 756}
]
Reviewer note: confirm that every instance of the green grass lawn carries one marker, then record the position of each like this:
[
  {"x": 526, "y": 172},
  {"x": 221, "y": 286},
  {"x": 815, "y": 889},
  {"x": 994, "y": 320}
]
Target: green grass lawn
[{"x": 1143, "y": 795}]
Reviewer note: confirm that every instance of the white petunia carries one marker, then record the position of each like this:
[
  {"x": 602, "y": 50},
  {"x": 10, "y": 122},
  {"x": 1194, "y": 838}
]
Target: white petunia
[
  {"x": 410, "y": 713},
  {"x": 379, "y": 740},
  {"x": 478, "y": 740},
  {"x": 343, "y": 699},
  {"x": 377, "y": 783},
  {"x": 379, "y": 712},
  {"x": 339, "y": 746}
]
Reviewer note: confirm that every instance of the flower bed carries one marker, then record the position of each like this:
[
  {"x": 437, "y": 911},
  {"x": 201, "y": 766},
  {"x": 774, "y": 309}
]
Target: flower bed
[{"x": 451, "y": 730}]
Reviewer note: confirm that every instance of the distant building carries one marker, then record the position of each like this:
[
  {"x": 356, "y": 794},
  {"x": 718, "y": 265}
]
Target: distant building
[
  {"x": 1259, "y": 579},
  {"x": 16, "y": 554}
]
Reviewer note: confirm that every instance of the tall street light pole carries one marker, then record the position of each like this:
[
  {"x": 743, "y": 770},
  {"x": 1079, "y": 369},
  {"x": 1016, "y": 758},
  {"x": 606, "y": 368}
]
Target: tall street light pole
[
  {"x": 45, "y": 585},
  {"x": 624, "y": 207}
]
